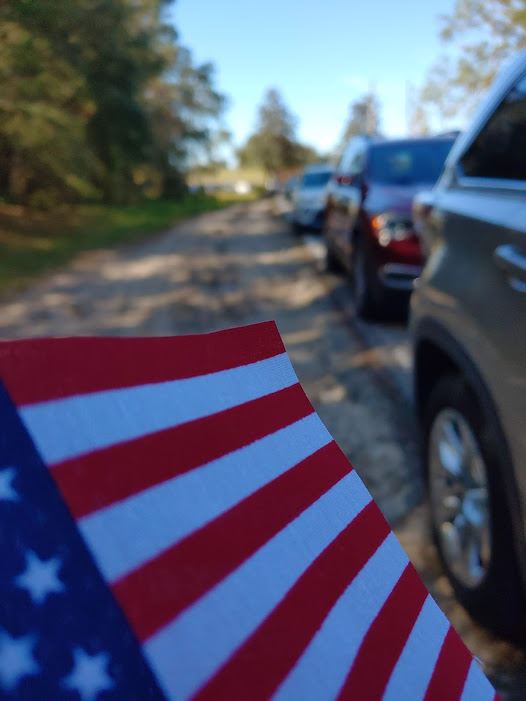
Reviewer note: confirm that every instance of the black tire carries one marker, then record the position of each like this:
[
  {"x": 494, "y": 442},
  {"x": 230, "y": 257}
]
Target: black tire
[
  {"x": 497, "y": 601},
  {"x": 296, "y": 228},
  {"x": 369, "y": 296},
  {"x": 332, "y": 264}
]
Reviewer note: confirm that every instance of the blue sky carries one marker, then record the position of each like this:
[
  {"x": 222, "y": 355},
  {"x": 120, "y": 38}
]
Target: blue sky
[{"x": 320, "y": 54}]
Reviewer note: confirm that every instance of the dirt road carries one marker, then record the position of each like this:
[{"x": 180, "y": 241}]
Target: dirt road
[{"x": 239, "y": 266}]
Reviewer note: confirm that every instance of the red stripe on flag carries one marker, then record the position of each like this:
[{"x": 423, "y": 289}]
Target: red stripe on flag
[
  {"x": 260, "y": 665},
  {"x": 451, "y": 670},
  {"x": 385, "y": 639},
  {"x": 100, "y": 478},
  {"x": 158, "y": 591},
  {"x": 37, "y": 370}
]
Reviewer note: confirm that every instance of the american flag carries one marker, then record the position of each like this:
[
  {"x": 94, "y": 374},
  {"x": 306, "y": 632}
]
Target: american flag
[{"x": 176, "y": 523}]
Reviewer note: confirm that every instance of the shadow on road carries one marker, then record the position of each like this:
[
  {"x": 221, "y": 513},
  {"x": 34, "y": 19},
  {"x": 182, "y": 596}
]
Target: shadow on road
[{"x": 240, "y": 266}]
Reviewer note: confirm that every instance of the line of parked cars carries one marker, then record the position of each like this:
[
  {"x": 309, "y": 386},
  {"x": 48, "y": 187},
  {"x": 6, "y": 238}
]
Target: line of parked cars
[
  {"x": 367, "y": 220},
  {"x": 363, "y": 209},
  {"x": 460, "y": 248}
]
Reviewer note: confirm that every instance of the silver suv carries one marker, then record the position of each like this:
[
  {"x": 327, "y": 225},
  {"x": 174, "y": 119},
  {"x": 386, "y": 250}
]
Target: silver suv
[{"x": 468, "y": 320}]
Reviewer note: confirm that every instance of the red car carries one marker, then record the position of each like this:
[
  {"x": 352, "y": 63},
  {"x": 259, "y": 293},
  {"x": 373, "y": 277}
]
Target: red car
[{"x": 367, "y": 223}]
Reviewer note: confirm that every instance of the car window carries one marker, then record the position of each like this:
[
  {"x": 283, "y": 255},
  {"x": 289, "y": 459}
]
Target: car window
[
  {"x": 318, "y": 179},
  {"x": 344, "y": 167},
  {"x": 357, "y": 163},
  {"x": 406, "y": 163},
  {"x": 499, "y": 151}
]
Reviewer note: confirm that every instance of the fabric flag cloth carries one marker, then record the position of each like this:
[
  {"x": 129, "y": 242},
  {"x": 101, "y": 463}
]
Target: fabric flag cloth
[{"x": 176, "y": 523}]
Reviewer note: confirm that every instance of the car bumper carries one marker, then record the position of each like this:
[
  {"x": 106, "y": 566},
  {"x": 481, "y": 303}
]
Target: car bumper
[
  {"x": 399, "y": 276},
  {"x": 399, "y": 263}
]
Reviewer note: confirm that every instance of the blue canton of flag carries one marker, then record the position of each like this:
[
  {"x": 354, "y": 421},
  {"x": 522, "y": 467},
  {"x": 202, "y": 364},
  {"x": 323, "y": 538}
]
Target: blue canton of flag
[{"x": 62, "y": 636}]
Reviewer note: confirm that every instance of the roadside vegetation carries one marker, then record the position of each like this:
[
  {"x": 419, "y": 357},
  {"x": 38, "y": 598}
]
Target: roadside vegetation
[
  {"x": 100, "y": 102},
  {"x": 103, "y": 113},
  {"x": 35, "y": 241}
]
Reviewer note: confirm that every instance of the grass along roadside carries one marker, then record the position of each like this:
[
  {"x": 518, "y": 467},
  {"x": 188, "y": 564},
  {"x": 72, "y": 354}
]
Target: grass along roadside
[{"x": 32, "y": 242}]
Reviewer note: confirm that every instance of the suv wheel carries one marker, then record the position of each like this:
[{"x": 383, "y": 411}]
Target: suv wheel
[
  {"x": 368, "y": 295},
  {"x": 332, "y": 264},
  {"x": 296, "y": 229},
  {"x": 471, "y": 523}
]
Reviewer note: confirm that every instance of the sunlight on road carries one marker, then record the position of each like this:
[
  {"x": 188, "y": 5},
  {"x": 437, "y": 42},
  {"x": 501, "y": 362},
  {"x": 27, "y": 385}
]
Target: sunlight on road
[{"x": 240, "y": 266}]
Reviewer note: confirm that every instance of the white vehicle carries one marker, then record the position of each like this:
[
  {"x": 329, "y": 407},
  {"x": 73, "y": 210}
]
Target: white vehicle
[
  {"x": 309, "y": 197},
  {"x": 242, "y": 187}
]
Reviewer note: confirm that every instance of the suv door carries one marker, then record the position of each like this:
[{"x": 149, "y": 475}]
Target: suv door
[
  {"x": 493, "y": 170},
  {"x": 354, "y": 194},
  {"x": 344, "y": 200},
  {"x": 474, "y": 288},
  {"x": 486, "y": 228},
  {"x": 333, "y": 222}
]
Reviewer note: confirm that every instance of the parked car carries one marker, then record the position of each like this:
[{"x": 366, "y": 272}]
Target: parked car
[
  {"x": 468, "y": 320},
  {"x": 367, "y": 223},
  {"x": 290, "y": 186},
  {"x": 309, "y": 196}
]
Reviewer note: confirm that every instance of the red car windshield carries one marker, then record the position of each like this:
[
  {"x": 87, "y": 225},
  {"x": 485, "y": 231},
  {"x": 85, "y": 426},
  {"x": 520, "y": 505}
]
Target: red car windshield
[{"x": 407, "y": 163}]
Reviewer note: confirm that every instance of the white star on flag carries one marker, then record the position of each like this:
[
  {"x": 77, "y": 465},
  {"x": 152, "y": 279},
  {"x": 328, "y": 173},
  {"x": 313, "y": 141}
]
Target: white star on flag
[
  {"x": 89, "y": 675},
  {"x": 40, "y": 578},
  {"x": 16, "y": 660},
  {"x": 7, "y": 491}
]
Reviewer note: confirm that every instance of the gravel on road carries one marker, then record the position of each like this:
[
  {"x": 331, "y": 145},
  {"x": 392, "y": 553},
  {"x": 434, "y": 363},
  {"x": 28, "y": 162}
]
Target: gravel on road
[{"x": 242, "y": 265}]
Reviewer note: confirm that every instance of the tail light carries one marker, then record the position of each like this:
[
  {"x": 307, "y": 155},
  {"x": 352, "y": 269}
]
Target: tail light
[{"x": 391, "y": 227}]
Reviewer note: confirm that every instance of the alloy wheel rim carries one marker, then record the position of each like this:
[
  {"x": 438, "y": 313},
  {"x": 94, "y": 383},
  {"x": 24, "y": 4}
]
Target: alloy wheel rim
[{"x": 460, "y": 497}]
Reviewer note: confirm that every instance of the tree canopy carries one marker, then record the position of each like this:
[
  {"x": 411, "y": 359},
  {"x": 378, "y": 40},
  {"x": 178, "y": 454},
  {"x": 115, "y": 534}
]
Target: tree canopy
[
  {"x": 418, "y": 122},
  {"x": 486, "y": 33},
  {"x": 274, "y": 145},
  {"x": 99, "y": 100},
  {"x": 364, "y": 118}
]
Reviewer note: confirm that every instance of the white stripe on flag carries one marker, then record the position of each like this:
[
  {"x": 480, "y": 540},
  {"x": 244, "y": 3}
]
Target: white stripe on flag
[
  {"x": 415, "y": 666},
  {"x": 187, "y": 652},
  {"x": 322, "y": 669},
  {"x": 161, "y": 515},
  {"x": 477, "y": 687},
  {"x": 66, "y": 428}
]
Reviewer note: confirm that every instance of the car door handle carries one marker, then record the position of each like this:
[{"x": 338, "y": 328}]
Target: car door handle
[{"x": 512, "y": 261}]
